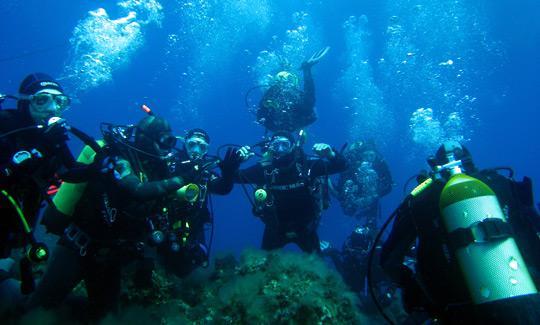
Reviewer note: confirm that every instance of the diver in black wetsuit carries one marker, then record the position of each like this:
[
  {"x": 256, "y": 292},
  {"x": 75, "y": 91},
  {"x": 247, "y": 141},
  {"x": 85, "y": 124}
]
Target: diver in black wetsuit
[
  {"x": 437, "y": 284},
  {"x": 284, "y": 107},
  {"x": 33, "y": 156},
  {"x": 105, "y": 219},
  {"x": 352, "y": 263},
  {"x": 289, "y": 196},
  {"x": 179, "y": 232}
]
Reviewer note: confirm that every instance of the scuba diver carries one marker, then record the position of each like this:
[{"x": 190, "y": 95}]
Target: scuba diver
[
  {"x": 361, "y": 186},
  {"x": 33, "y": 157},
  {"x": 468, "y": 225},
  {"x": 352, "y": 263},
  {"x": 290, "y": 194},
  {"x": 102, "y": 223},
  {"x": 284, "y": 107},
  {"x": 179, "y": 230}
]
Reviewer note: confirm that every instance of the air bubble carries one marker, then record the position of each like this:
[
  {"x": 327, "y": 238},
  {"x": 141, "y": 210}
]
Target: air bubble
[{"x": 513, "y": 264}]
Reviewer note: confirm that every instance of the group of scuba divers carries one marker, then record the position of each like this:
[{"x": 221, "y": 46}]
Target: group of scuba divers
[{"x": 464, "y": 244}]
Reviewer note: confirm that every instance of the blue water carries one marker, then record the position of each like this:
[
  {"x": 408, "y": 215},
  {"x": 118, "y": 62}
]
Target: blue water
[{"x": 192, "y": 62}]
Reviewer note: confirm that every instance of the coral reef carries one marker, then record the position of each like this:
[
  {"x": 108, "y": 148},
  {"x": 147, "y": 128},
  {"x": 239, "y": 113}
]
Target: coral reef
[{"x": 263, "y": 288}]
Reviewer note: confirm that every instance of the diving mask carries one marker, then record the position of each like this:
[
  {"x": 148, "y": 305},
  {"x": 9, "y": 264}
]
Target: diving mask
[
  {"x": 281, "y": 146},
  {"x": 196, "y": 147},
  {"x": 42, "y": 101}
]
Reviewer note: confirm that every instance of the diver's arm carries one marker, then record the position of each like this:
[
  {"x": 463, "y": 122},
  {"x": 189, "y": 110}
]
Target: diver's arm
[
  {"x": 221, "y": 185},
  {"x": 71, "y": 170},
  {"x": 66, "y": 156},
  {"x": 128, "y": 182},
  {"x": 229, "y": 168},
  {"x": 333, "y": 188},
  {"x": 149, "y": 190},
  {"x": 332, "y": 165},
  {"x": 309, "y": 85},
  {"x": 309, "y": 89},
  {"x": 81, "y": 173}
]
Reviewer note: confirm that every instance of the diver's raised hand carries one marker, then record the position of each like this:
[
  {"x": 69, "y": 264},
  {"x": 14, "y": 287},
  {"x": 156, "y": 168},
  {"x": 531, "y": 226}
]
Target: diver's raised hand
[
  {"x": 56, "y": 131},
  {"x": 324, "y": 150},
  {"x": 231, "y": 162},
  {"x": 315, "y": 58},
  {"x": 244, "y": 153}
]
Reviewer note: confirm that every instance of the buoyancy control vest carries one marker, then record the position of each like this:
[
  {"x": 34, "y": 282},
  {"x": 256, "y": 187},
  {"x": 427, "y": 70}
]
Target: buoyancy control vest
[{"x": 317, "y": 188}]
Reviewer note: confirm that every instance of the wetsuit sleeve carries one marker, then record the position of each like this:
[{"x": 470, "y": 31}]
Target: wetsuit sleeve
[
  {"x": 71, "y": 170},
  {"x": 148, "y": 190},
  {"x": 321, "y": 167},
  {"x": 66, "y": 156},
  {"x": 221, "y": 185},
  {"x": 130, "y": 184},
  {"x": 396, "y": 247},
  {"x": 78, "y": 174},
  {"x": 309, "y": 90},
  {"x": 250, "y": 175}
]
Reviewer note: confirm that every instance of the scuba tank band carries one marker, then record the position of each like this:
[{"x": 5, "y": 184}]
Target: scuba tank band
[{"x": 490, "y": 229}]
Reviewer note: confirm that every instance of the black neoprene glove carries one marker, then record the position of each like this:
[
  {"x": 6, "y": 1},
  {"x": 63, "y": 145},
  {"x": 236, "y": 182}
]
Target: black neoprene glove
[
  {"x": 230, "y": 163},
  {"x": 56, "y": 133}
]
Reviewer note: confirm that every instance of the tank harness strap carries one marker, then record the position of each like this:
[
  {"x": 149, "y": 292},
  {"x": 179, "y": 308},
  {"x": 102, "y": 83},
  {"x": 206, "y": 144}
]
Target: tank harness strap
[
  {"x": 487, "y": 230},
  {"x": 286, "y": 187},
  {"x": 77, "y": 238}
]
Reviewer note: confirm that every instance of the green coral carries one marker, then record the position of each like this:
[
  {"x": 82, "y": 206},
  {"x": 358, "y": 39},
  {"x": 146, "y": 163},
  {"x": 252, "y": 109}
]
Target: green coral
[
  {"x": 264, "y": 288},
  {"x": 160, "y": 290},
  {"x": 280, "y": 287}
]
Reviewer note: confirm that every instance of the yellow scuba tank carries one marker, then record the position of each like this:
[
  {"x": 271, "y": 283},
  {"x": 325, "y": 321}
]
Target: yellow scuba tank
[
  {"x": 488, "y": 256},
  {"x": 69, "y": 194}
]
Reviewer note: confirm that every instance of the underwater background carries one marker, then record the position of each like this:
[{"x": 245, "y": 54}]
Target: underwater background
[{"x": 408, "y": 73}]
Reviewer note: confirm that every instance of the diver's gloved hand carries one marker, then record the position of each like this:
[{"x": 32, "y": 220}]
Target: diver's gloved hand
[
  {"x": 324, "y": 245},
  {"x": 105, "y": 165},
  {"x": 323, "y": 150},
  {"x": 25, "y": 161},
  {"x": 245, "y": 153},
  {"x": 315, "y": 58},
  {"x": 56, "y": 131},
  {"x": 231, "y": 162}
]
